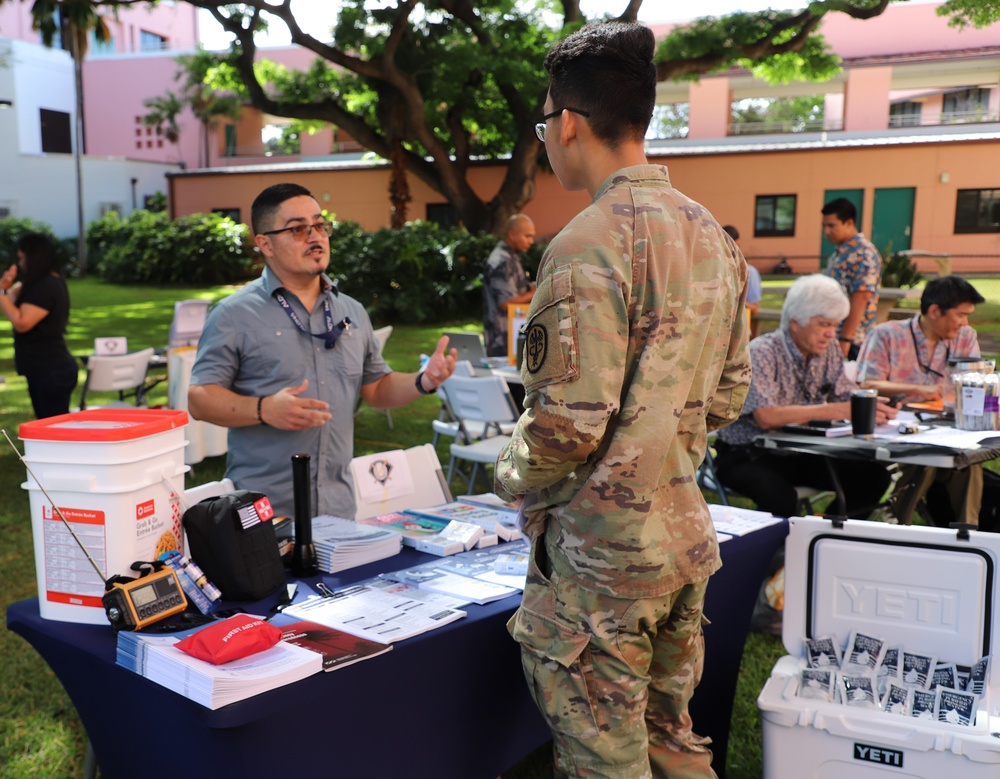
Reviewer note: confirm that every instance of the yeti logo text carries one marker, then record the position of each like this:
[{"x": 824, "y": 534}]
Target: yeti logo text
[
  {"x": 880, "y": 755},
  {"x": 896, "y": 602}
]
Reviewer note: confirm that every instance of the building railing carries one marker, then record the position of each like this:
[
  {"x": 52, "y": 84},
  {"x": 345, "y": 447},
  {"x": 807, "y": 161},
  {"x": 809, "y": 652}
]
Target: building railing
[
  {"x": 787, "y": 126},
  {"x": 944, "y": 118}
]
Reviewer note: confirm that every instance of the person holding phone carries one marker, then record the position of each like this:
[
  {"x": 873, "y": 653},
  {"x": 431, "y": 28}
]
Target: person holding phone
[{"x": 35, "y": 298}]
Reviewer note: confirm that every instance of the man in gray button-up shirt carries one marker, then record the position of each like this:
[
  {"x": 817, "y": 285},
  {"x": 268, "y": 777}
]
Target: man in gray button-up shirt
[{"x": 283, "y": 361}]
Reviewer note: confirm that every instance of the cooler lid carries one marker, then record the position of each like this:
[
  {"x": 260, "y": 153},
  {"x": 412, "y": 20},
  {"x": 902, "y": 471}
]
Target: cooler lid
[
  {"x": 924, "y": 588},
  {"x": 101, "y": 425}
]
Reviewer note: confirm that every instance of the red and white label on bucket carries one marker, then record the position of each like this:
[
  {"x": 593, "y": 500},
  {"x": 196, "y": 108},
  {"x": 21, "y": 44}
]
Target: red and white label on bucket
[
  {"x": 69, "y": 576},
  {"x": 145, "y": 509}
]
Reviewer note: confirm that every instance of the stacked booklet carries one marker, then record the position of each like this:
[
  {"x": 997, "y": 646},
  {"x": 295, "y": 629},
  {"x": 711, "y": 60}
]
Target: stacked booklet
[
  {"x": 214, "y": 686},
  {"x": 337, "y": 648},
  {"x": 499, "y": 520},
  {"x": 477, "y": 576},
  {"x": 383, "y": 614},
  {"x": 342, "y": 543},
  {"x": 433, "y": 535}
]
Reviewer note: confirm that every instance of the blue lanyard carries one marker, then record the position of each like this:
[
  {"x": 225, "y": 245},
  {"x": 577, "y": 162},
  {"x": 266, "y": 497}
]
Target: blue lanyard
[{"x": 333, "y": 331}]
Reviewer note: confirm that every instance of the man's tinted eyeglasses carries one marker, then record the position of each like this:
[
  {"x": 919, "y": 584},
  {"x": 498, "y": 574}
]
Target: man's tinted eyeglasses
[
  {"x": 301, "y": 232},
  {"x": 540, "y": 127}
]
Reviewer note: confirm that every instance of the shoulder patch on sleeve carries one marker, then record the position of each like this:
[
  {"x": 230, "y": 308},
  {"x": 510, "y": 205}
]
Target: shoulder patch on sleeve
[{"x": 550, "y": 341}]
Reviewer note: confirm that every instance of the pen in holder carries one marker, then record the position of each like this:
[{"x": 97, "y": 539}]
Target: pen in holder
[{"x": 303, "y": 553}]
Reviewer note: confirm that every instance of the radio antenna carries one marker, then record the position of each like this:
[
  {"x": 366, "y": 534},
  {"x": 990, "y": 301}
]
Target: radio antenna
[{"x": 54, "y": 506}]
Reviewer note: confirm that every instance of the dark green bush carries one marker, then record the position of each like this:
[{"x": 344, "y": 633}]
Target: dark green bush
[
  {"x": 149, "y": 247},
  {"x": 11, "y": 230},
  {"x": 420, "y": 273}
]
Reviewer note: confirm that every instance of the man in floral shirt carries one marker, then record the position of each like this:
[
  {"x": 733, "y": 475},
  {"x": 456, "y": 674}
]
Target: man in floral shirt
[{"x": 856, "y": 264}]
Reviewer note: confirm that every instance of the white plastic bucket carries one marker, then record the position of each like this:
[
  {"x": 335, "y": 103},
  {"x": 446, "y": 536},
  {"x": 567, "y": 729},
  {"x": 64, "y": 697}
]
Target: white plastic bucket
[{"x": 117, "y": 475}]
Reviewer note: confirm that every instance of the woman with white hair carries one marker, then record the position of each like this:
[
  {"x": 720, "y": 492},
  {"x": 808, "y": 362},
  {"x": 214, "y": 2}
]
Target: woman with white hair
[{"x": 798, "y": 376}]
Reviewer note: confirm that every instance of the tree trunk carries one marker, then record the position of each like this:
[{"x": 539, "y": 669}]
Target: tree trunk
[{"x": 399, "y": 186}]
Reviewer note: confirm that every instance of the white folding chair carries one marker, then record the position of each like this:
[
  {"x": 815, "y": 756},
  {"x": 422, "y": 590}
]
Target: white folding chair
[
  {"x": 189, "y": 321},
  {"x": 485, "y": 400},
  {"x": 381, "y": 336},
  {"x": 450, "y": 425},
  {"x": 427, "y": 484},
  {"x": 124, "y": 374}
]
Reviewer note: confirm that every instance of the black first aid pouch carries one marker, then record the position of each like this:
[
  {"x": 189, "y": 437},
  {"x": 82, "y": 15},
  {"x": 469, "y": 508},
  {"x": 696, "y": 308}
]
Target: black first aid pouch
[{"x": 232, "y": 538}]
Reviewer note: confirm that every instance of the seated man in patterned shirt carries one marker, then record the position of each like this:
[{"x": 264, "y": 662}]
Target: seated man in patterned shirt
[
  {"x": 798, "y": 376},
  {"x": 910, "y": 358}
]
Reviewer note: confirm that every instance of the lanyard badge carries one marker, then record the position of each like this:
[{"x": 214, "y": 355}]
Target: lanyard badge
[{"x": 333, "y": 331}]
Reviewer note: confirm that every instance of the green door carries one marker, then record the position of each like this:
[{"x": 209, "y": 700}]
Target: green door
[
  {"x": 856, "y": 196},
  {"x": 892, "y": 219}
]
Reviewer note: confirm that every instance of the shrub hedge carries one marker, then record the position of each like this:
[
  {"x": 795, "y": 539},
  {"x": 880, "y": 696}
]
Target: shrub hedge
[
  {"x": 422, "y": 273},
  {"x": 148, "y": 247},
  {"x": 11, "y": 230}
]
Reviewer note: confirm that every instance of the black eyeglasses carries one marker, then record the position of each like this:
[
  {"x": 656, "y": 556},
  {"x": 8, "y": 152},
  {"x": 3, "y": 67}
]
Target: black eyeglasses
[
  {"x": 301, "y": 232},
  {"x": 540, "y": 127}
]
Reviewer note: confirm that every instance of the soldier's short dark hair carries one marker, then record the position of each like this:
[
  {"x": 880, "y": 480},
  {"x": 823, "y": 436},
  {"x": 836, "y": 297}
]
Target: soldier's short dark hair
[
  {"x": 842, "y": 208},
  {"x": 949, "y": 292},
  {"x": 267, "y": 203},
  {"x": 607, "y": 70}
]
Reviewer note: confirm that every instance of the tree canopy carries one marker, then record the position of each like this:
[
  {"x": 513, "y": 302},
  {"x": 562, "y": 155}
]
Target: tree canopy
[{"x": 436, "y": 85}]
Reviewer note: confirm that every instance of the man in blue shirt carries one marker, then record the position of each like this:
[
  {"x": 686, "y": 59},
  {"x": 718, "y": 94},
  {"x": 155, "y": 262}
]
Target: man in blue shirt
[{"x": 282, "y": 362}]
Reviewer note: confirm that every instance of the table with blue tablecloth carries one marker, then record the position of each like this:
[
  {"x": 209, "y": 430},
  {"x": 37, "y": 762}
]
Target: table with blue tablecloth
[{"x": 449, "y": 704}]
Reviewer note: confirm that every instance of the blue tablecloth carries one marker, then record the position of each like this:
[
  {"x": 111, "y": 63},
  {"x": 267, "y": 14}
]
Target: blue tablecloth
[{"x": 450, "y": 704}]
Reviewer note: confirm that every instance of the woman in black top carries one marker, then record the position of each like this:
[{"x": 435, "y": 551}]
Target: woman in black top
[{"x": 37, "y": 305}]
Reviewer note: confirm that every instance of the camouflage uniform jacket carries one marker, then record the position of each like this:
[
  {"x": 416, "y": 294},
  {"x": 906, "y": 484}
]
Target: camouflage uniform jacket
[{"x": 636, "y": 345}]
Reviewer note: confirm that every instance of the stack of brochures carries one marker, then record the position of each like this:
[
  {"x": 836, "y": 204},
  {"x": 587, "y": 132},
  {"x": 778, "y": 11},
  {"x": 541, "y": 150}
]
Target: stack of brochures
[
  {"x": 214, "y": 686},
  {"x": 496, "y": 520},
  {"x": 431, "y": 534},
  {"x": 478, "y": 576},
  {"x": 342, "y": 543},
  {"x": 379, "y": 613}
]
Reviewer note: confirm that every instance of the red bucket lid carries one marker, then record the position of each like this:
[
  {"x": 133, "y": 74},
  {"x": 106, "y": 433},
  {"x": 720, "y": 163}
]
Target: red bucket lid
[{"x": 104, "y": 425}]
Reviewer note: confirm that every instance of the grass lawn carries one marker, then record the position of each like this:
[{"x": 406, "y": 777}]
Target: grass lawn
[{"x": 40, "y": 734}]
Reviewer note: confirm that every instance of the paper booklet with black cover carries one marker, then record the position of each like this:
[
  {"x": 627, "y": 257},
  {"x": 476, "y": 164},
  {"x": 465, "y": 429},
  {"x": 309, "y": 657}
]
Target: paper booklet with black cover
[
  {"x": 830, "y": 428},
  {"x": 338, "y": 648}
]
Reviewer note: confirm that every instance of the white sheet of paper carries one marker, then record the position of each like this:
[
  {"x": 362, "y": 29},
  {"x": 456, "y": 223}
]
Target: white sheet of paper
[{"x": 383, "y": 475}]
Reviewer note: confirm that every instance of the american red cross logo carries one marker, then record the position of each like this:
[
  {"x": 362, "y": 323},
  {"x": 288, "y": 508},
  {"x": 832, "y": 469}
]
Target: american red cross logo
[{"x": 264, "y": 510}]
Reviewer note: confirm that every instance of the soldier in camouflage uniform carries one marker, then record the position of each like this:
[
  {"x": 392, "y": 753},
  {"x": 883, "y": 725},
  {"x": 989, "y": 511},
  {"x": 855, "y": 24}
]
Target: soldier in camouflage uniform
[{"x": 636, "y": 345}]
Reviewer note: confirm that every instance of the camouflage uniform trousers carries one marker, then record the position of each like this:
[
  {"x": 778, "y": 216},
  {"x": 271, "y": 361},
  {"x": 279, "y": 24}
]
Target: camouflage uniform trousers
[{"x": 613, "y": 677}]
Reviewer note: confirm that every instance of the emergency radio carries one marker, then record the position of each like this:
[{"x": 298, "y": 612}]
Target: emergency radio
[{"x": 132, "y": 604}]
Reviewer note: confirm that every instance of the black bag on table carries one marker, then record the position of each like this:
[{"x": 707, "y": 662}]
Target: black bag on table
[{"x": 232, "y": 538}]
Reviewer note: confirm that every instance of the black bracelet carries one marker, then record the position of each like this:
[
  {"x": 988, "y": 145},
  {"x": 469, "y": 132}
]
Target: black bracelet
[
  {"x": 845, "y": 340},
  {"x": 420, "y": 387},
  {"x": 260, "y": 402}
]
